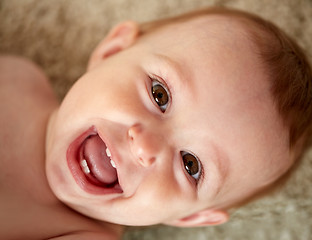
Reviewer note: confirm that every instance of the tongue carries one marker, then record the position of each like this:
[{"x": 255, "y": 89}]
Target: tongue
[{"x": 98, "y": 161}]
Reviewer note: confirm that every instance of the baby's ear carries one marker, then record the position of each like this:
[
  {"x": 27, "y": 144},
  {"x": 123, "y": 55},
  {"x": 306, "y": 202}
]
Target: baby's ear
[
  {"x": 120, "y": 37},
  {"x": 205, "y": 217}
]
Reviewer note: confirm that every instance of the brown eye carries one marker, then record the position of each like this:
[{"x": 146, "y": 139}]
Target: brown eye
[
  {"x": 192, "y": 165},
  {"x": 160, "y": 95}
]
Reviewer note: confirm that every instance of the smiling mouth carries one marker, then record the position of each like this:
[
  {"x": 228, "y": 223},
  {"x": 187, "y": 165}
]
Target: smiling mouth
[{"x": 91, "y": 164}]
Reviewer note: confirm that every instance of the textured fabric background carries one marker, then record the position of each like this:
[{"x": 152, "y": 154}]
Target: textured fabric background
[{"x": 60, "y": 34}]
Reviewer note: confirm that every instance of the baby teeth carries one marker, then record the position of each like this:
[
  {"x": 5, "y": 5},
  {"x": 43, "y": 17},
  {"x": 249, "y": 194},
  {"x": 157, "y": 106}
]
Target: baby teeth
[
  {"x": 108, "y": 152},
  {"x": 113, "y": 164},
  {"x": 109, "y": 155},
  {"x": 84, "y": 163},
  {"x": 84, "y": 166}
]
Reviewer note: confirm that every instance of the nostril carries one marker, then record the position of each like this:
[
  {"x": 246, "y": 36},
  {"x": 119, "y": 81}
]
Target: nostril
[
  {"x": 146, "y": 162},
  {"x": 130, "y": 135},
  {"x": 134, "y": 131}
]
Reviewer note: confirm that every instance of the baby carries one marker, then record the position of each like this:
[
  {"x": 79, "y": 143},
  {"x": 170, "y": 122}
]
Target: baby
[{"x": 175, "y": 121}]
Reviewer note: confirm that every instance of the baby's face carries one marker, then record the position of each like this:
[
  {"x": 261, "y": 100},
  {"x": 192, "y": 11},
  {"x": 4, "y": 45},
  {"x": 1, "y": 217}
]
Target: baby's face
[{"x": 188, "y": 119}]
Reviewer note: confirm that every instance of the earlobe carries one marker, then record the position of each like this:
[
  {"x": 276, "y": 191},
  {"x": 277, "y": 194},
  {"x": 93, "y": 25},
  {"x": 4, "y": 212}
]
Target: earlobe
[
  {"x": 202, "y": 218},
  {"x": 120, "y": 37}
]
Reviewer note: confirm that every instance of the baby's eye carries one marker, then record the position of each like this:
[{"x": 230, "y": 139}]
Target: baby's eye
[
  {"x": 160, "y": 94},
  {"x": 192, "y": 165}
]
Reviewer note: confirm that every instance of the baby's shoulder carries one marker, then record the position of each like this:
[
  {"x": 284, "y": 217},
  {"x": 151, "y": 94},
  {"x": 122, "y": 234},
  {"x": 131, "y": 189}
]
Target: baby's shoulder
[
  {"x": 23, "y": 84},
  {"x": 26, "y": 96}
]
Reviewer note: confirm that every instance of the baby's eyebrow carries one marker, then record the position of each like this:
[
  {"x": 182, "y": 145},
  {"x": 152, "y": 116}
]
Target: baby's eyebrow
[
  {"x": 180, "y": 72},
  {"x": 222, "y": 166}
]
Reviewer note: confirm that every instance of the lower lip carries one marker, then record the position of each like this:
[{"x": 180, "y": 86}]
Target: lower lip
[{"x": 75, "y": 169}]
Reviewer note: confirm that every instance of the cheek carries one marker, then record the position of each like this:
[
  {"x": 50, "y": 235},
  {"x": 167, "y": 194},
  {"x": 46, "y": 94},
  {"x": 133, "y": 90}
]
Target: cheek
[
  {"x": 96, "y": 96},
  {"x": 165, "y": 194},
  {"x": 57, "y": 176}
]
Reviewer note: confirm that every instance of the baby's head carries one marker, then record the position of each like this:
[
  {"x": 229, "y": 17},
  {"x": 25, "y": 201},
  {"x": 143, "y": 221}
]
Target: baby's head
[{"x": 198, "y": 112}]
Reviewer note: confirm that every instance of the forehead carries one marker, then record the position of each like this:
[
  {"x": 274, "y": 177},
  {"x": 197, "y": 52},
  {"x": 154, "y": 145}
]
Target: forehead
[
  {"x": 223, "y": 93},
  {"x": 206, "y": 45},
  {"x": 200, "y": 27}
]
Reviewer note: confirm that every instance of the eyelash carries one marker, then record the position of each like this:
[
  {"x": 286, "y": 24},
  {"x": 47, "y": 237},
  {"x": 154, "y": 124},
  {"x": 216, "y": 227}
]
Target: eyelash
[{"x": 201, "y": 177}]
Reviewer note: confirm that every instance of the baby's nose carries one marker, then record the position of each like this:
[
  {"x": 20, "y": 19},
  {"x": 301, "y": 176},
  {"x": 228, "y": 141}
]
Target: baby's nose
[{"x": 145, "y": 144}]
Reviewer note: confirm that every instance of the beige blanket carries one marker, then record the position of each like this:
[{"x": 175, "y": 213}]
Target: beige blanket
[{"x": 60, "y": 34}]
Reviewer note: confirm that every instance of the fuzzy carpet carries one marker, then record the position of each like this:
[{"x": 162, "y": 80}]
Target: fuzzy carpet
[{"x": 59, "y": 35}]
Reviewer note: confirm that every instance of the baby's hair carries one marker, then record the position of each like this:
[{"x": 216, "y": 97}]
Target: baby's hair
[{"x": 284, "y": 61}]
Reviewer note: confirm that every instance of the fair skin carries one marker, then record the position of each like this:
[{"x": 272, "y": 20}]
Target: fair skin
[{"x": 219, "y": 110}]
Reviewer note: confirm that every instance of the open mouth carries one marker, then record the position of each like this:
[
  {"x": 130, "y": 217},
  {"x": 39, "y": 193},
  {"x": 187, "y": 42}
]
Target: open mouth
[{"x": 91, "y": 164}]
